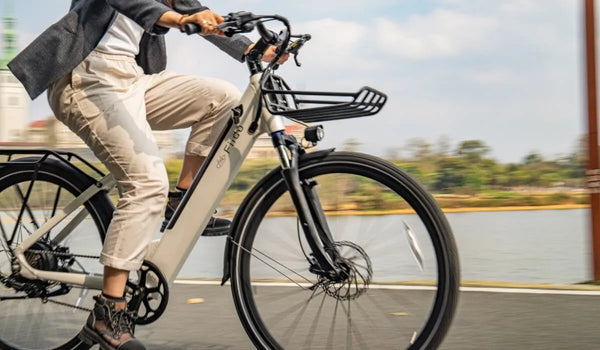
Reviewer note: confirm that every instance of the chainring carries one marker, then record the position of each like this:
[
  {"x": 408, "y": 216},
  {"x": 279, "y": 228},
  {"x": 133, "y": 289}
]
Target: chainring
[{"x": 149, "y": 294}]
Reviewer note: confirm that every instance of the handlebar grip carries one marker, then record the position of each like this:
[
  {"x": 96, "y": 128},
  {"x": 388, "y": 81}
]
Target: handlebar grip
[
  {"x": 258, "y": 50},
  {"x": 192, "y": 28},
  {"x": 261, "y": 46}
]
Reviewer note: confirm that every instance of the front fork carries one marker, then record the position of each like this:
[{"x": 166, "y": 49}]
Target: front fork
[{"x": 324, "y": 257}]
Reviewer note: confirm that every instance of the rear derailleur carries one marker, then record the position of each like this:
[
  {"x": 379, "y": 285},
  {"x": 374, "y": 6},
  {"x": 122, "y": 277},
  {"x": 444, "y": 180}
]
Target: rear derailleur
[{"x": 41, "y": 256}]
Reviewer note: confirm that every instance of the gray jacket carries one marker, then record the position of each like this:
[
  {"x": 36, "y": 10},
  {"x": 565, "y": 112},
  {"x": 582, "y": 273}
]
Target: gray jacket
[{"x": 61, "y": 47}]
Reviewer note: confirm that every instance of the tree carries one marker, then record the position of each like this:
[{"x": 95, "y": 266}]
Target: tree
[
  {"x": 443, "y": 146},
  {"x": 575, "y": 163},
  {"x": 533, "y": 158},
  {"x": 451, "y": 173},
  {"x": 472, "y": 150},
  {"x": 419, "y": 149}
]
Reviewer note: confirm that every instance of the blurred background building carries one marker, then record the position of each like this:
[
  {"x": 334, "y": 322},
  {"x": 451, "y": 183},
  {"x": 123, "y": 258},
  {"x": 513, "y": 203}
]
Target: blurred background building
[{"x": 14, "y": 102}]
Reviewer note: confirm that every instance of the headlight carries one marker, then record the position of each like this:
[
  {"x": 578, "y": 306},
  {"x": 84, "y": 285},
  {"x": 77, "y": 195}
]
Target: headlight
[{"x": 314, "y": 133}]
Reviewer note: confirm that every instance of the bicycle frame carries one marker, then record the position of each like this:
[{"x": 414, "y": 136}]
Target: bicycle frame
[{"x": 208, "y": 188}]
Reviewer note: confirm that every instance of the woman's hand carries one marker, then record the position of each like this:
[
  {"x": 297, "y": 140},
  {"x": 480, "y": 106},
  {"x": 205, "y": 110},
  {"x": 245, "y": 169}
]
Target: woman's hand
[
  {"x": 270, "y": 54},
  {"x": 206, "y": 19}
]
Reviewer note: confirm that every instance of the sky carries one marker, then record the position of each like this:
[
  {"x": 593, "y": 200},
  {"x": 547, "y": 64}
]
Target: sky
[{"x": 510, "y": 72}]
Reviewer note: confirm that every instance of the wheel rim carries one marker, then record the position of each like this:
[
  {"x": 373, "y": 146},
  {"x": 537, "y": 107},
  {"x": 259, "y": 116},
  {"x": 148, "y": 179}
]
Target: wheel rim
[
  {"x": 35, "y": 323},
  {"x": 403, "y": 298}
]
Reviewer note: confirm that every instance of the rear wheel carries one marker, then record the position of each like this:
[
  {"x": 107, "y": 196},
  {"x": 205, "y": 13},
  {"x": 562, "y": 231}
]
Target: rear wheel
[
  {"x": 402, "y": 287},
  {"x": 39, "y": 314}
]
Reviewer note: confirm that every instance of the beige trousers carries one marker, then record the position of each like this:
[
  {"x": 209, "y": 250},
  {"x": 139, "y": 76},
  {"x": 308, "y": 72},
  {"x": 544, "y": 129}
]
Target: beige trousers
[{"x": 113, "y": 106}]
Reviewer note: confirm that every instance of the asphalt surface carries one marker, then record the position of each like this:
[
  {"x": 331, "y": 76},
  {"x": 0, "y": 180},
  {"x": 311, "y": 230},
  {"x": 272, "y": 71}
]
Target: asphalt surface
[{"x": 484, "y": 320}]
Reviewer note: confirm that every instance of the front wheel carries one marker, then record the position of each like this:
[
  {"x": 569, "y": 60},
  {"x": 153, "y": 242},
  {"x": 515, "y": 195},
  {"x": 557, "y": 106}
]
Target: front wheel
[{"x": 402, "y": 291}]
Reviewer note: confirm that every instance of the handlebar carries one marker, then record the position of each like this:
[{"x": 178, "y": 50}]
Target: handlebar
[{"x": 245, "y": 22}]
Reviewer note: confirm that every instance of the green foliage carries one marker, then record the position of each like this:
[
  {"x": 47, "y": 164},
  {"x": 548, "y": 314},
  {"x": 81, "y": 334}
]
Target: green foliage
[
  {"x": 470, "y": 171},
  {"x": 472, "y": 150},
  {"x": 467, "y": 177},
  {"x": 451, "y": 174}
]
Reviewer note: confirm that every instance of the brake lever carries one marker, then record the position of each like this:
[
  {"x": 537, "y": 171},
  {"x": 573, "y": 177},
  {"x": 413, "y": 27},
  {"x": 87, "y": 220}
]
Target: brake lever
[
  {"x": 298, "y": 64},
  {"x": 294, "y": 48}
]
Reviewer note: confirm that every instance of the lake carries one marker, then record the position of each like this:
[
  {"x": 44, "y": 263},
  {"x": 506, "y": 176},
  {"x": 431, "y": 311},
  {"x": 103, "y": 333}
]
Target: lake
[{"x": 537, "y": 246}]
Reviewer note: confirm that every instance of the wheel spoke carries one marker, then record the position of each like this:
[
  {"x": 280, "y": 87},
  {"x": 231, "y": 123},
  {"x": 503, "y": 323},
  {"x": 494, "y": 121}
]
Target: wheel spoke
[
  {"x": 352, "y": 327},
  {"x": 283, "y": 314},
  {"x": 296, "y": 321},
  {"x": 285, "y": 294},
  {"x": 276, "y": 262},
  {"x": 330, "y": 339},
  {"x": 54, "y": 208},
  {"x": 25, "y": 200},
  {"x": 314, "y": 324},
  {"x": 3, "y": 240}
]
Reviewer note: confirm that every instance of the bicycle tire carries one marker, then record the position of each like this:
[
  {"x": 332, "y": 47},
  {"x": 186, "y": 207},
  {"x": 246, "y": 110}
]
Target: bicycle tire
[
  {"x": 259, "y": 293},
  {"x": 31, "y": 323}
]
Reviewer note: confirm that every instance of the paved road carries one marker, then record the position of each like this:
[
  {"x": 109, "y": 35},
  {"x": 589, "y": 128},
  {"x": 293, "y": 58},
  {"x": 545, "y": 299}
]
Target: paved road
[{"x": 485, "y": 320}]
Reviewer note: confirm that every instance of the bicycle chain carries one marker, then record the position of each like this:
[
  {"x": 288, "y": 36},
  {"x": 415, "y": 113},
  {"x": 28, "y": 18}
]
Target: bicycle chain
[
  {"x": 66, "y": 304},
  {"x": 68, "y": 255}
]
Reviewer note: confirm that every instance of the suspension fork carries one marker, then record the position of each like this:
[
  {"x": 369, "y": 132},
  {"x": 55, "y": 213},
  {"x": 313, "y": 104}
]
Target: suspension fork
[{"x": 309, "y": 209}]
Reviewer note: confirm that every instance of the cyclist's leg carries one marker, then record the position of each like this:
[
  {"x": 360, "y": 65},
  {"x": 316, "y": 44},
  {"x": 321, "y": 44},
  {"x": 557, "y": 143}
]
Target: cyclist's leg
[
  {"x": 108, "y": 113},
  {"x": 176, "y": 101}
]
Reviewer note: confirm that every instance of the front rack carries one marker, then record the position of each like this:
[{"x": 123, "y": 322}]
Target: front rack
[{"x": 315, "y": 106}]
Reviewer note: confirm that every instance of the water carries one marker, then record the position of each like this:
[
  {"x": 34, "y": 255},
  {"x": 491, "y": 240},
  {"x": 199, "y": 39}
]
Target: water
[
  {"x": 545, "y": 246},
  {"x": 513, "y": 246},
  {"x": 548, "y": 246}
]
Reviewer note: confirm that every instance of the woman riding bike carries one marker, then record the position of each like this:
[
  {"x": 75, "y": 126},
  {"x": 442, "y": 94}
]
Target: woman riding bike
[{"x": 103, "y": 65}]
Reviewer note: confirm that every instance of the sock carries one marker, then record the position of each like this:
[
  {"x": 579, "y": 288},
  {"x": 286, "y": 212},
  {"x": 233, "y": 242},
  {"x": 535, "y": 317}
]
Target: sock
[
  {"x": 113, "y": 299},
  {"x": 177, "y": 188}
]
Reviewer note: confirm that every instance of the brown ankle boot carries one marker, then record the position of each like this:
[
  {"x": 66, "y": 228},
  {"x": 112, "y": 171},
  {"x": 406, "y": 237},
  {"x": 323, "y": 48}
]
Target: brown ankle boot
[{"x": 111, "y": 325}]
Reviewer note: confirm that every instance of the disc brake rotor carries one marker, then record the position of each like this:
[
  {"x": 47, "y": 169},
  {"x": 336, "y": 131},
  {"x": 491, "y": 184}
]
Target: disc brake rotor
[{"x": 358, "y": 267}]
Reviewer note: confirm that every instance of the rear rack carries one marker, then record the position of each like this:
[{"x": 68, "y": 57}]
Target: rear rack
[
  {"x": 63, "y": 156},
  {"x": 316, "y": 106}
]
